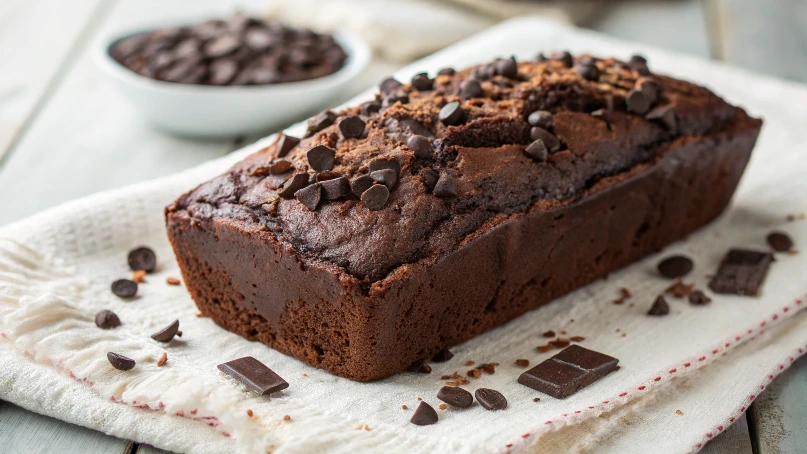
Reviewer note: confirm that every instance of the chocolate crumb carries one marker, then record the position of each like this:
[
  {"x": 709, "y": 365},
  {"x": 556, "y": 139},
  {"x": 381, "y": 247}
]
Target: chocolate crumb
[
  {"x": 559, "y": 343},
  {"x": 200, "y": 314},
  {"x": 544, "y": 348},
  {"x": 475, "y": 373},
  {"x": 139, "y": 276},
  {"x": 404, "y": 407},
  {"x": 179, "y": 333},
  {"x": 625, "y": 293},
  {"x": 163, "y": 359},
  {"x": 537, "y": 399},
  {"x": 489, "y": 368},
  {"x": 577, "y": 338},
  {"x": 679, "y": 412},
  {"x": 444, "y": 406},
  {"x": 172, "y": 281},
  {"x": 469, "y": 363},
  {"x": 679, "y": 289},
  {"x": 286, "y": 418},
  {"x": 549, "y": 334},
  {"x": 250, "y": 413},
  {"x": 522, "y": 362}
]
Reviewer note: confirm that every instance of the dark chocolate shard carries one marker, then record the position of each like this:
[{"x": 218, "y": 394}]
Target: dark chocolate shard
[
  {"x": 741, "y": 272},
  {"x": 254, "y": 375}
]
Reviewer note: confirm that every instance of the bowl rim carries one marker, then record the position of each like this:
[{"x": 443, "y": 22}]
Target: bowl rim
[{"x": 357, "y": 50}]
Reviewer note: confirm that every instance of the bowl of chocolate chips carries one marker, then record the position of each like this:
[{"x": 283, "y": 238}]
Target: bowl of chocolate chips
[{"x": 230, "y": 77}]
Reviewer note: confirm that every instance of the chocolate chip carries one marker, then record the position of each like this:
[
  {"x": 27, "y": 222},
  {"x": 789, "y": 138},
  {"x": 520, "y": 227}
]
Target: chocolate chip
[
  {"x": 222, "y": 72},
  {"x": 421, "y": 145},
  {"x": 637, "y": 59},
  {"x": 537, "y": 151},
  {"x": 565, "y": 58},
  {"x": 490, "y": 399},
  {"x": 481, "y": 73},
  {"x": 569, "y": 371},
  {"x": 310, "y": 196},
  {"x": 552, "y": 143},
  {"x": 541, "y": 118},
  {"x": 675, "y": 266},
  {"x": 285, "y": 144},
  {"x": 741, "y": 272},
  {"x": 106, "y": 319},
  {"x": 422, "y": 82},
  {"x": 420, "y": 367},
  {"x": 588, "y": 71},
  {"x": 637, "y": 102},
  {"x": 124, "y": 288},
  {"x": 666, "y": 116},
  {"x": 335, "y": 188},
  {"x": 424, "y": 415},
  {"x": 360, "y": 184},
  {"x": 471, "y": 88},
  {"x": 659, "y": 307},
  {"x": 120, "y": 362},
  {"x": 451, "y": 114},
  {"x": 385, "y": 163},
  {"x": 507, "y": 67},
  {"x": 779, "y": 241},
  {"x": 387, "y": 177},
  {"x": 649, "y": 87},
  {"x": 351, "y": 127},
  {"x": 167, "y": 333},
  {"x": 142, "y": 258},
  {"x": 446, "y": 72},
  {"x": 295, "y": 183},
  {"x": 540, "y": 58},
  {"x": 254, "y": 375},
  {"x": 430, "y": 178},
  {"x": 321, "y": 158},
  {"x": 442, "y": 356},
  {"x": 370, "y": 108},
  {"x": 698, "y": 298},
  {"x": 321, "y": 121},
  {"x": 280, "y": 166},
  {"x": 389, "y": 100},
  {"x": 446, "y": 186},
  {"x": 389, "y": 85},
  {"x": 375, "y": 197},
  {"x": 455, "y": 396},
  {"x": 221, "y": 46},
  {"x": 639, "y": 64}
]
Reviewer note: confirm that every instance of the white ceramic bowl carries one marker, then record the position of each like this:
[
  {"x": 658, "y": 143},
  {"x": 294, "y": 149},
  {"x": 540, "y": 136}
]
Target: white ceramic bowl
[{"x": 214, "y": 111}]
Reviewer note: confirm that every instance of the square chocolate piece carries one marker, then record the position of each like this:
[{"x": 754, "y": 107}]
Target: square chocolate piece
[
  {"x": 254, "y": 375},
  {"x": 741, "y": 272},
  {"x": 587, "y": 359},
  {"x": 568, "y": 371}
]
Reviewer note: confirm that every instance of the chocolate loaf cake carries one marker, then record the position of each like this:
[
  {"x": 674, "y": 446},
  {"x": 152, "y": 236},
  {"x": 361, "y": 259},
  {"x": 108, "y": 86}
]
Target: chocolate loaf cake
[{"x": 450, "y": 205}]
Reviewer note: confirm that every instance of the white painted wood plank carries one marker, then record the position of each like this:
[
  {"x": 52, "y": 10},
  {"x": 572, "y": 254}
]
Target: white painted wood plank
[
  {"x": 148, "y": 449},
  {"x": 780, "y": 413},
  {"x": 36, "y": 38},
  {"x": 765, "y": 36},
  {"x": 679, "y": 25},
  {"x": 735, "y": 440},
  {"x": 32, "y": 433}
]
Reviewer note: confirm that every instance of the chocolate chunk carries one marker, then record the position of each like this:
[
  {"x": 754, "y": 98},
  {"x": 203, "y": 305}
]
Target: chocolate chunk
[
  {"x": 375, "y": 197},
  {"x": 451, "y": 114},
  {"x": 587, "y": 70},
  {"x": 124, "y": 288},
  {"x": 565, "y": 58},
  {"x": 106, "y": 319},
  {"x": 442, "y": 356},
  {"x": 295, "y": 183},
  {"x": 360, "y": 184},
  {"x": 664, "y": 115},
  {"x": 446, "y": 72},
  {"x": 471, "y": 88},
  {"x": 142, "y": 258},
  {"x": 637, "y": 102},
  {"x": 421, "y": 146},
  {"x": 389, "y": 85},
  {"x": 285, "y": 144},
  {"x": 537, "y": 151},
  {"x": 351, "y": 127},
  {"x": 387, "y": 177},
  {"x": 424, "y": 415},
  {"x": 254, "y": 375},
  {"x": 698, "y": 298},
  {"x": 541, "y": 118},
  {"x": 455, "y": 396},
  {"x": 552, "y": 143},
  {"x": 167, "y": 333},
  {"x": 779, "y": 241},
  {"x": 370, "y": 108},
  {"x": 741, "y": 272},
  {"x": 321, "y": 158},
  {"x": 490, "y": 399},
  {"x": 567, "y": 372},
  {"x": 321, "y": 121},
  {"x": 335, "y": 188},
  {"x": 310, "y": 196},
  {"x": 280, "y": 166},
  {"x": 221, "y": 46},
  {"x": 446, "y": 186},
  {"x": 649, "y": 87},
  {"x": 659, "y": 307},
  {"x": 506, "y": 67},
  {"x": 120, "y": 362},
  {"x": 430, "y": 178},
  {"x": 675, "y": 266},
  {"x": 422, "y": 82},
  {"x": 385, "y": 163},
  {"x": 420, "y": 367}
]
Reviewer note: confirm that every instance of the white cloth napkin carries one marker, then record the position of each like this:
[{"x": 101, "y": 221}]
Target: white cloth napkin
[{"x": 709, "y": 362}]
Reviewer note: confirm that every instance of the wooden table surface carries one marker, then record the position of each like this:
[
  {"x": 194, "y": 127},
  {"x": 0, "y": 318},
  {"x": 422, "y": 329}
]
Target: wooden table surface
[{"x": 64, "y": 134}]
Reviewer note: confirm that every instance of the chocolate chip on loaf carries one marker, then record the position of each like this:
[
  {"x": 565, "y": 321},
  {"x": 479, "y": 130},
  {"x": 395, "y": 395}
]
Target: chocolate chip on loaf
[
  {"x": 587, "y": 70},
  {"x": 541, "y": 118},
  {"x": 335, "y": 188},
  {"x": 446, "y": 186},
  {"x": 285, "y": 144},
  {"x": 422, "y": 82},
  {"x": 321, "y": 158},
  {"x": 351, "y": 127},
  {"x": 537, "y": 151},
  {"x": 310, "y": 196},
  {"x": 292, "y": 185},
  {"x": 421, "y": 146},
  {"x": 471, "y": 88},
  {"x": 387, "y": 177},
  {"x": 321, "y": 121},
  {"x": 375, "y": 197},
  {"x": 451, "y": 114},
  {"x": 361, "y": 184},
  {"x": 550, "y": 141},
  {"x": 389, "y": 85}
]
